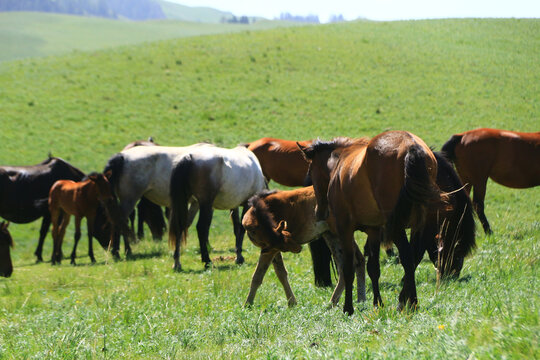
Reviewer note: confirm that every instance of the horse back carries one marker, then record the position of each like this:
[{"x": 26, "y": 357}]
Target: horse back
[
  {"x": 281, "y": 160},
  {"x": 76, "y": 198},
  {"x": 510, "y": 158}
]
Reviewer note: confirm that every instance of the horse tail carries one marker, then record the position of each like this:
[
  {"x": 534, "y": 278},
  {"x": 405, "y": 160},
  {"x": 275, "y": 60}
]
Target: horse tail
[
  {"x": 180, "y": 190},
  {"x": 418, "y": 192},
  {"x": 115, "y": 165},
  {"x": 449, "y": 147}
]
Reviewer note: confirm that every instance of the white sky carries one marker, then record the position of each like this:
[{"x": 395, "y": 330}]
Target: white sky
[{"x": 376, "y": 9}]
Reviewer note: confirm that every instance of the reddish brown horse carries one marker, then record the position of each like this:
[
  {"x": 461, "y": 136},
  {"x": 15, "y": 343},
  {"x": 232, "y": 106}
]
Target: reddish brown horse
[
  {"x": 281, "y": 160},
  {"x": 6, "y": 243},
  {"x": 509, "y": 158},
  {"x": 80, "y": 199},
  {"x": 386, "y": 182}
]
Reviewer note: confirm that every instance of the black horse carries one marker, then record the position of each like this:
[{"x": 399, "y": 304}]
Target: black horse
[{"x": 24, "y": 191}]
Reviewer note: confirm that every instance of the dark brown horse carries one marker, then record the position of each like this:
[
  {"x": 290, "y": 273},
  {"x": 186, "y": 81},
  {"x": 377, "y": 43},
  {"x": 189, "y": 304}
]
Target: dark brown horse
[
  {"x": 6, "y": 243},
  {"x": 507, "y": 157},
  {"x": 82, "y": 200},
  {"x": 386, "y": 182},
  {"x": 24, "y": 190}
]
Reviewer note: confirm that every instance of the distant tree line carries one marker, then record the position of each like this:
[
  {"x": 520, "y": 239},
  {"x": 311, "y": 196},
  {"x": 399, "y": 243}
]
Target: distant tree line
[
  {"x": 236, "y": 20},
  {"x": 314, "y": 19},
  {"x": 115, "y": 9}
]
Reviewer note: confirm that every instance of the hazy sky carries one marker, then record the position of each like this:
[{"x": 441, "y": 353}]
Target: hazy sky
[{"x": 376, "y": 9}]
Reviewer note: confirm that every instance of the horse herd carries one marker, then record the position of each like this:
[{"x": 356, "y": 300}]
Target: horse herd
[{"x": 380, "y": 186}]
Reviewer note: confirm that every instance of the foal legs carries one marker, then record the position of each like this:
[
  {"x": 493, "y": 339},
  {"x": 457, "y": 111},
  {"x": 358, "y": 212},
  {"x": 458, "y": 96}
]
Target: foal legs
[
  {"x": 239, "y": 232},
  {"x": 58, "y": 235},
  {"x": 203, "y": 228},
  {"x": 265, "y": 258},
  {"x": 373, "y": 247},
  {"x": 77, "y": 238},
  {"x": 282, "y": 275}
]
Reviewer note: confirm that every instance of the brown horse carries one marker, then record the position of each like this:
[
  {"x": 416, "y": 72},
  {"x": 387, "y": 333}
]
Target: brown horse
[
  {"x": 80, "y": 199},
  {"x": 281, "y": 160},
  {"x": 507, "y": 157},
  {"x": 282, "y": 221},
  {"x": 386, "y": 182},
  {"x": 6, "y": 243}
]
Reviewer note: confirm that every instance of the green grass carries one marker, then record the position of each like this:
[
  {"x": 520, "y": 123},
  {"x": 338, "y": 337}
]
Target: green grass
[
  {"x": 26, "y": 34},
  {"x": 433, "y": 78}
]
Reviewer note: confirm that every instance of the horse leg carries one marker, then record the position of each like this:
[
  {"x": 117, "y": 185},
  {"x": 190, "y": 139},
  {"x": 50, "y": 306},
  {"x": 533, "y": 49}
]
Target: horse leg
[
  {"x": 239, "y": 232},
  {"x": 337, "y": 253},
  {"x": 406, "y": 256},
  {"x": 45, "y": 223},
  {"x": 203, "y": 229},
  {"x": 281, "y": 272},
  {"x": 60, "y": 237},
  {"x": 360, "y": 270},
  {"x": 54, "y": 233},
  {"x": 321, "y": 258},
  {"x": 77, "y": 238},
  {"x": 90, "y": 225},
  {"x": 265, "y": 258},
  {"x": 373, "y": 247},
  {"x": 126, "y": 207},
  {"x": 479, "y": 194},
  {"x": 346, "y": 235}
]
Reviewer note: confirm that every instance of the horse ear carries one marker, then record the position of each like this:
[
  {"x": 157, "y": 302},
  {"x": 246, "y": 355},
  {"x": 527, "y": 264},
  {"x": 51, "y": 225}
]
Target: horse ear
[
  {"x": 4, "y": 225},
  {"x": 281, "y": 226},
  {"x": 108, "y": 174},
  {"x": 303, "y": 151},
  {"x": 93, "y": 177}
]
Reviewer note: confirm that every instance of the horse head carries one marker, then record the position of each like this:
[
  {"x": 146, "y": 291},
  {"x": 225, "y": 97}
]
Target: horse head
[{"x": 6, "y": 242}]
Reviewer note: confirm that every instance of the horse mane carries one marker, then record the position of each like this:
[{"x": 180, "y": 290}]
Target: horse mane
[
  {"x": 465, "y": 243},
  {"x": 263, "y": 214},
  {"x": 93, "y": 173},
  {"x": 336, "y": 143}
]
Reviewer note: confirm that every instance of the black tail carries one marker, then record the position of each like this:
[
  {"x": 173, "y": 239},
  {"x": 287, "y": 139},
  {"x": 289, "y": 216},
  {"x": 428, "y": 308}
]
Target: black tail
[
  {"x": 418, "y": 192},
  {"x": 180, "y": 194},
  {"x": 116, "y": 166},
  {"x": 322, "y": 260},
  {"x": 448, "y": 149}
]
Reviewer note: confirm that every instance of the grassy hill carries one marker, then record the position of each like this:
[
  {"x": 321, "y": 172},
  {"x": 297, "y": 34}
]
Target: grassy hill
[
  {"x": 433, "y": 78},
  {"x": 192, "y": 14},
  {"x": 26, "y": 34}
]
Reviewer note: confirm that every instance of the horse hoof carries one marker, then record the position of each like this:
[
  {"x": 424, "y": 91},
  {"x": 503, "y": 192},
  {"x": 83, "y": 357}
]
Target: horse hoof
[
  {"x": 177, "y": 268},
  {"x": 207, "y": 265},
  {"x": 239, "y": 260}
]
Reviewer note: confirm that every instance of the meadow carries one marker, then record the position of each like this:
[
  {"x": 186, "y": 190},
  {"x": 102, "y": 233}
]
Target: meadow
[{"x": 433, "y": 78}]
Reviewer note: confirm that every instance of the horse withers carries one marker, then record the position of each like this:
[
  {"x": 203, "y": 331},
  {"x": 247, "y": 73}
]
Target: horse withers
[
  {"x": 509, "y": 158},
  {"x": 214, "y": 178},
  {"x": 80, "y": 199},
  {"x": 386, "y": 182},
  {"x": 6, "y": 243},
  {"x": 282, "y": 221}
]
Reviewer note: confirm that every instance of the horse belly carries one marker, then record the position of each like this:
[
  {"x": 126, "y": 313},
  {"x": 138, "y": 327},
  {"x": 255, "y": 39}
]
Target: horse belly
[{"x": 237, "y": 187}]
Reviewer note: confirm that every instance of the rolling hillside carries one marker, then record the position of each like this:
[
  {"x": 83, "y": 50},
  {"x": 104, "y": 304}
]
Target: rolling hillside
[
  {"x": 433, "y": 78},
  {"x": 25, "y": 34}
]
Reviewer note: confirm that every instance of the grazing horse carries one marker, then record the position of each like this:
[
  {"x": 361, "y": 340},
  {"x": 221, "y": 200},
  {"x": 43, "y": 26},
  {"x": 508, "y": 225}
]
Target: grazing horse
[
  {"x": 6, "y": 243},
  {"x": 282, "y": 221},
  {"x": 22, "y": 188},
  {"x": 282, "y": 161},
  {"x": 216, "y": 178},
  {"x": 80, "y": 199},
  {"x": 147, "y": 211},
  {"x": 145, "y": 171},
  {"x": 507, "y": 157},
  {"x": 385, "y": 182}
]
